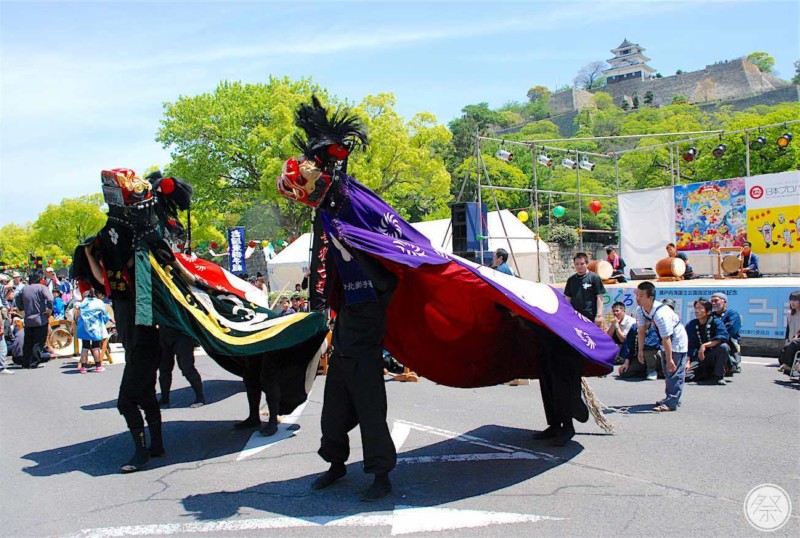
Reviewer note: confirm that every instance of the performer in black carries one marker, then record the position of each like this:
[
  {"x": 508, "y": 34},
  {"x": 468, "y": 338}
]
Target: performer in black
[
  {"x": 361, "y": 292},
  {"x": 177, "y": 344},
  {"x": 139, "y": 212},
  {"x": 585, "y": 290},
  {"x": 560, "y": 384}
]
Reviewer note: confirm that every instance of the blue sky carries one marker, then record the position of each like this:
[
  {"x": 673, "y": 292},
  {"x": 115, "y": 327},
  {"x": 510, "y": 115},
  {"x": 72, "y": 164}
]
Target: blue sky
[{"x": 83, "y": 84}]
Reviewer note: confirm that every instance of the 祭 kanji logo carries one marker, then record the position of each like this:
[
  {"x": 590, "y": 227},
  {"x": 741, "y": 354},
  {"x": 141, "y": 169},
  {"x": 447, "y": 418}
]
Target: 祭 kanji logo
[
  {"x": 767, "y": 507},
  {"x": 756, "y": 192}
]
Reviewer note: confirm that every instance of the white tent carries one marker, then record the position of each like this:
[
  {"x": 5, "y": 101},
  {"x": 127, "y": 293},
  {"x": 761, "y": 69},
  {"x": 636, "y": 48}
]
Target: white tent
[
  {"x": 522, "y": 251},
  {"x": 287, "y": 268}
]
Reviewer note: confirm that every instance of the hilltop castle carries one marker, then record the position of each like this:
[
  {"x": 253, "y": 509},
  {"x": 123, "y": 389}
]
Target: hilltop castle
[{"x": 737, "y": 83}]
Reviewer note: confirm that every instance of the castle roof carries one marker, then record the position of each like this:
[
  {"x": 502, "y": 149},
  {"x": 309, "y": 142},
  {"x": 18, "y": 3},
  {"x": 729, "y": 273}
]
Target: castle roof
[{"x": 627, "y": 45}]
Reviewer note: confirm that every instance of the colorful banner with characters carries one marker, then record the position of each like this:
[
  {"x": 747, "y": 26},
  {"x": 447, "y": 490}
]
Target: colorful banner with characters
[
  {"x": 773, "y": 212},
  {"x": 710, "y": 214}
]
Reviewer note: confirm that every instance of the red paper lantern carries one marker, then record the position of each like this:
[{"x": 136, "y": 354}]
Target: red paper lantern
[
  {"x": 595, "y": 206},
  {"x": 214, "y": 245},
  {"x": 49, "y": 262},
  {"x": 252, "y": 244},
  {"x": 64, "y": 261}
]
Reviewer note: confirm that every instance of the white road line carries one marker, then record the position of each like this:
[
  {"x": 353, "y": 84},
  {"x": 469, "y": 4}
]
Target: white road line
[
  {"x": 403, "y": 520},
  {"x": 449, "y": 458},
  {"x": 761, "y": 363}
]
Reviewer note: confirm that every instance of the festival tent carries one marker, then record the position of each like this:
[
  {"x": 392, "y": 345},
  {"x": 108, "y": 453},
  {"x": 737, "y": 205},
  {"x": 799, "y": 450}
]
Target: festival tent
[
  {"x": 524, "y": 246},
  {"x": 287, "y": 268}
]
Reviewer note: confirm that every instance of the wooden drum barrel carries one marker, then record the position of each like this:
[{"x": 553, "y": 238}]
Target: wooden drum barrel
[
  {"x": 602, "y": 268},
  {"x": 670, "y": 267}
]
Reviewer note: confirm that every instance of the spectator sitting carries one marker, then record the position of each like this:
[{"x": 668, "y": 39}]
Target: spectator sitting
[
  {"x": 297, "y": 304},
  {"x": 672, "y": 252},
  {"x": 749, "y": 262},
  {"x": 632, "y": 368},
  {"x": 733, "y": 323},
  {"x": 286, "y": 309},
  {"x": 708, "y": 348},
  {"x": 298, "y": 287},
  {"x": 58, "y": 305},
  {"x": 617, "y": 264},
  {"x": 792, "y": 339},
  {"x": 622, "y": 323},
  {"x": 499, "y": 262}
]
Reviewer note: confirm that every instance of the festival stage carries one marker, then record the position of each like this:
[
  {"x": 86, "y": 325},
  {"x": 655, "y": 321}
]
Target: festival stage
[{"x": 763, "y": 304}]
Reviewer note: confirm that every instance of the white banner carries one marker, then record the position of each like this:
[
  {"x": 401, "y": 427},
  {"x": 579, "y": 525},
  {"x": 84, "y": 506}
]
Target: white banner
[{"x": 647, "y": 224}]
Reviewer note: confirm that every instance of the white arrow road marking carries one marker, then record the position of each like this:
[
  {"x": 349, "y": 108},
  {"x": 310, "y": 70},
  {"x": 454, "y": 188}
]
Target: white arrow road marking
[
  {"x": 506, "y": 452},
  {"x": 286, "y": 430},
  {"x": 403, "y": 520},
  {"x": 400, "y": 431}
]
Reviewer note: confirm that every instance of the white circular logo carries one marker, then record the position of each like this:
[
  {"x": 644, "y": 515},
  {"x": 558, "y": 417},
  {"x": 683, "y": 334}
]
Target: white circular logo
[{"x": 767, "y": 507}]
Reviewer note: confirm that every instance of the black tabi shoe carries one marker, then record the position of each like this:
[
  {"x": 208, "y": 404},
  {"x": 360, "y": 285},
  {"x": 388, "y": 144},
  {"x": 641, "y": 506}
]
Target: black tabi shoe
[
  {"x": 141, "y": 456},
  {"x": 565, "y": 434},
  {"x": 549, "y": 433},
  {"x": 380, "y": 488},
  {"x": 336, "y": 471}
]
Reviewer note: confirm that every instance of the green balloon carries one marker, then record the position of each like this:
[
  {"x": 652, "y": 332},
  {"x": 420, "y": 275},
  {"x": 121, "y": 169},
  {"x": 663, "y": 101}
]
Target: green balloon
[{"x": 559, "y": 211}]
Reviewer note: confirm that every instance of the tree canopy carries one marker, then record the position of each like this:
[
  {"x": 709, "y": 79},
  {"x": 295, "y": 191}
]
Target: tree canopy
[{"x": 762, "y": 60}]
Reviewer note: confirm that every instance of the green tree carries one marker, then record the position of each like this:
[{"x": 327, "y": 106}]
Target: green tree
[
  {"x": 762, "y": 60},
  {"x": 15, "y": 243},
  {"x": 648, "y": 97},
  {"x": 475, "y": 118},
  {"x": 232, "y": 143},
  {"x": 59, "y": 228},
  {"x": 796, "y": 77}
]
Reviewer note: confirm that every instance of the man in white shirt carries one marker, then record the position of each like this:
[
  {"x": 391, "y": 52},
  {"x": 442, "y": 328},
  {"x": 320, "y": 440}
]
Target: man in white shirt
[{"x": 674, "y": 343}]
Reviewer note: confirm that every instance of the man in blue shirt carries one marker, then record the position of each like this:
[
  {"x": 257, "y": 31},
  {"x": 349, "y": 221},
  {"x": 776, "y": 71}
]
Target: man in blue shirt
[
  {"x": 708, "y": 348},
  {"x": 749, "y": 262},
  {"x": 499, "y": 262},
  {"x": 733, "y": 324}
]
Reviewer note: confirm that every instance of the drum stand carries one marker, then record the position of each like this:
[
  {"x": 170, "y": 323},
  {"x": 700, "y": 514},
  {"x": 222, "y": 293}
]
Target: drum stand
[{"x": 719, "y": 251}]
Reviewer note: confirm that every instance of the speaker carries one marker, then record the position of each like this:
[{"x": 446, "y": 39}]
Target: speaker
[
  {"x": 469, "y": 220},
  {"x": 642, "y": 273}
]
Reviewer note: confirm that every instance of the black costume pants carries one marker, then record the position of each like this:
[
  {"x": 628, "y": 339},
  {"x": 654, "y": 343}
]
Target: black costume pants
[
  {"x": 142, "y": 356},
  {"x": 560, "y": 383},
  {"x": 788, "y": 352},
  {"x": 262, "y": 374},
  {"x": 33, "y": 336},
  {"x": 355, "y": 394},
  {"x": 712, "y": 367},
  {"x": 174, "y": 343}
]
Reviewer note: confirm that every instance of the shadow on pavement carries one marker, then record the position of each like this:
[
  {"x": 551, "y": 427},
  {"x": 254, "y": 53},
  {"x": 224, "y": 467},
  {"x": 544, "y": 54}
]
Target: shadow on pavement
[
  {"x": 215, "y": 390},
  {"x": 787, "y": 384},
  {"x": 451, "y": 470},
  {"x": 103, "y": 456}
]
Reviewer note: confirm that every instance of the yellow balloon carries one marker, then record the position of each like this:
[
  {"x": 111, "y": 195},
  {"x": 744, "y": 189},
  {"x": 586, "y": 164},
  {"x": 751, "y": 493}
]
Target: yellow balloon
[
  {"x": 522, "y": 216},
  {"x": 265, "y": 243}
]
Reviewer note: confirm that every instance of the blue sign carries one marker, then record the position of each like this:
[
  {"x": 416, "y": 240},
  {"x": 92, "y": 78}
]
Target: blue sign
[
  {"x": 764, "y": 310},
  {"x": 236, "y": 249}
]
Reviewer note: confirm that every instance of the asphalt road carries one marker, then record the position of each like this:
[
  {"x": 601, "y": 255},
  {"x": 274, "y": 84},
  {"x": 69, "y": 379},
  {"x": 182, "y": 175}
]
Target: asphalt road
[{"x": 467, "y": 465}]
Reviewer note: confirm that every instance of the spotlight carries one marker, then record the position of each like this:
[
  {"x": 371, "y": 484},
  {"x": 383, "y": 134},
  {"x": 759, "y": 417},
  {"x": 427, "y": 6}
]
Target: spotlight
[
  {"x": 586, "y": 165},
  {"x": 758, "y": 143},
  {"x": 784, "y": 140},
  {"x": 504, "y": 155},
  {"x": 568, "y": 163},
  {"x": 545, "y": 160},
  {"x": 719, "y": 151},
  {"x": 690, "y": 154}
]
